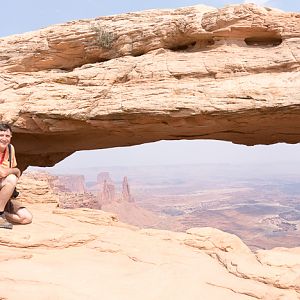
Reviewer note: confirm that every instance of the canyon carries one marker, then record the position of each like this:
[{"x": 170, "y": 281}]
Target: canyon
[
  {"x": 106, "y": 257},
  {"x": 258, "y": 203},
  {"x": 198, "y": 72}
]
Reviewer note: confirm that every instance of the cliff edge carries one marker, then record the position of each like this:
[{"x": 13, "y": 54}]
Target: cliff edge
[{"x": 89, "y": 254}]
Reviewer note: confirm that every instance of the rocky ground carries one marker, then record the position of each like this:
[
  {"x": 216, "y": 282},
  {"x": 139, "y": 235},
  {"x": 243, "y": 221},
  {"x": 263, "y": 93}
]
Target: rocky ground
[{"x": 89, "y": 254}]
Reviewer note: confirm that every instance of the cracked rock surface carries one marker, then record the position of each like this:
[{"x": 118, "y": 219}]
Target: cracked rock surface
[
  {"x": 197, "y": 72},
  {"x": 87, "y": 254}
]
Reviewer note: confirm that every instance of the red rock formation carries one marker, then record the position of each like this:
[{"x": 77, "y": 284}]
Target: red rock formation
[
  {"x": 112, "y": 257},
  {"x": 78, "y": 200},
  {"x": 106, "y": 189},
  {"x": 123, "y": 205},
  {"x": 126, "y": 196},
  {"x": 73, "y": 194},
  {"x": 227, "y": 74},
  {"x": 36, "y": 187},
  {"x": 103, "y": 176},
  {"x": 42, "y": 187},
  {"x": 72, "y": 183}
]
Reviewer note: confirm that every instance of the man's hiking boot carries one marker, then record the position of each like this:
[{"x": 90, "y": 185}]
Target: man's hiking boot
[{"x": 4, "y": 223}]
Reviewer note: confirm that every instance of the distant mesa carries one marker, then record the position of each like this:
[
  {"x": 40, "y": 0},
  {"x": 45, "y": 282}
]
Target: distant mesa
[
  {"x": 97, "y": 196},
  {"x": 107, "y": 190},
  {"x": 192, "y": 73},
  {"x": 71, "y": 183},
  {"x": 71, "y": 192}
]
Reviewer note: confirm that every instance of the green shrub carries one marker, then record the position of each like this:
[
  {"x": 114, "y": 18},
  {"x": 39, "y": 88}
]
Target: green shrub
[{"x": 104, "y": 38}]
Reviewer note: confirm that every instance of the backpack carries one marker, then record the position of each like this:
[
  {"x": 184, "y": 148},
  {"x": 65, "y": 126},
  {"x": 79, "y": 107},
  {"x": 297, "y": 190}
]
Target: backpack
[
  {"x": 15, "y": 193},
  {"x": 9, "y": 154}
]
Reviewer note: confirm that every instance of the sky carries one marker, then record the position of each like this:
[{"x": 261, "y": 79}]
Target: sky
[{"x": 19, "y": 16}]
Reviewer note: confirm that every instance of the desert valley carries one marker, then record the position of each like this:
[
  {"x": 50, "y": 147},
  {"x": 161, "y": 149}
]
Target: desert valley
[
  {"x": 258, "y": 203},
  {"x": 198, "y": 232},
  {"x": 70, "y": 236}
]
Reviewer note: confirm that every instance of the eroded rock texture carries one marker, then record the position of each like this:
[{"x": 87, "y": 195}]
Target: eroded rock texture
[
  {"x": 126, "y": 195},
  {"x": 230, "y": 74},
  {"x": 109, "y": 258},
  {"x": 106, "y": 189},
  {"x": 71, "y": 183},
  {"x": 42, "y": 187}
]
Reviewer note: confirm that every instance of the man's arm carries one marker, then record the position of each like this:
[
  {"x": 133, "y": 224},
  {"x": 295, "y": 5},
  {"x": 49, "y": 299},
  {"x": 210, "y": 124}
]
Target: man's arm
[{"x": 4, "y": 172}]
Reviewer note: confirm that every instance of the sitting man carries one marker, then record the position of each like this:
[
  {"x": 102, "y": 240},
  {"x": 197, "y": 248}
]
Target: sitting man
[{"x": 10, "y": 210}]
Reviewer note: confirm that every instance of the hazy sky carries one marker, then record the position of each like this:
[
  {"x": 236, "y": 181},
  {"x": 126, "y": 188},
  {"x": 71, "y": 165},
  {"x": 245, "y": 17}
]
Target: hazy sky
[{"x": 18, "y": 16}]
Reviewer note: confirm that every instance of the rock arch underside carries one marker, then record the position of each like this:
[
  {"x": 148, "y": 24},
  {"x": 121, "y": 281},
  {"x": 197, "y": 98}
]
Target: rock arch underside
[{"x": 191, "y": 73}]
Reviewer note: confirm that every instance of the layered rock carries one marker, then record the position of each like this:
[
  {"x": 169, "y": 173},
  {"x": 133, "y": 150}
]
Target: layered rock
[
  {"x": 112, "y": 257},
  {"x": 72, "y": 193},
  {"x": 122, "y": 204},
  {"x": 239, "y": 260},
  {"x": 71, "y": 183},
  {"x": 198, "y": 72},
  {"x": 36, "y": 187},
  {"x": 42, "y": 187},
  {"x": 126, "y": 195},
  {"x": 106, "y": 189},
  {"x": 78, "y": 200}
]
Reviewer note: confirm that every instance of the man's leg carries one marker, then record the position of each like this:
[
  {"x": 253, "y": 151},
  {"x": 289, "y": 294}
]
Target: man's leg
[
  {"x": 7, "y": 186},
  {"x": 20, "y": 215}
]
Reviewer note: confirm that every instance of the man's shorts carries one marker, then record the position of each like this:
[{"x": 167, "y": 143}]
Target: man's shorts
[{"x": 12, "y": 206}]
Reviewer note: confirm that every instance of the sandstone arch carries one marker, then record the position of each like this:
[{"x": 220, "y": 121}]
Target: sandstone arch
[{"x": 197, "y": 72}]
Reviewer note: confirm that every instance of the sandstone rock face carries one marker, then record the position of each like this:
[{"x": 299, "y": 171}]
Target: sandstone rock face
[
  {"x": 36, "y": 187},
  {"x": 198, "y": 72},
  {"x": 123, "y": 206},
  {"x": 126, "y": 195},
  {"x": 71, "y": 183},
  {"x": 72, "y": 193},
  {"x": 113, "y": 258},
  {"x": 106, "y": 188},
  {"x": 78, "y": 200},
  {"x": 42, "y": 187}
]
